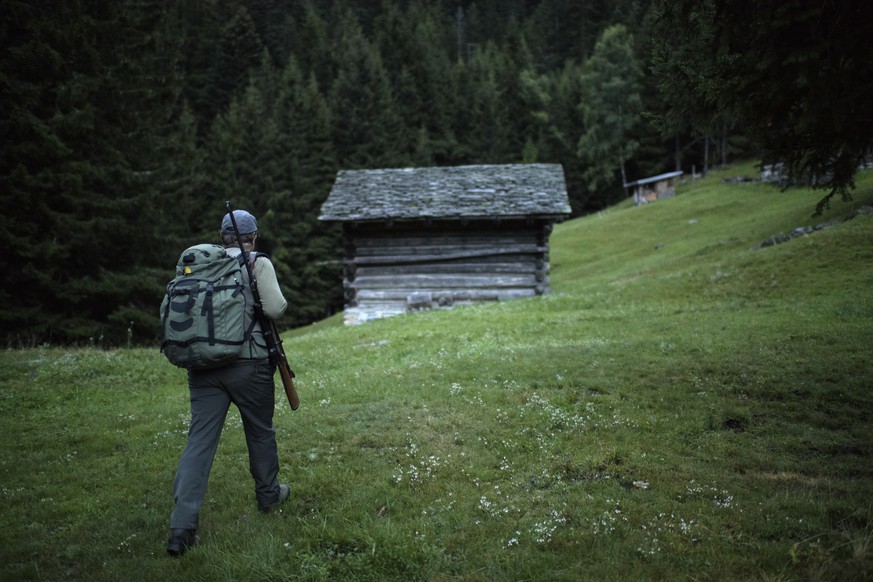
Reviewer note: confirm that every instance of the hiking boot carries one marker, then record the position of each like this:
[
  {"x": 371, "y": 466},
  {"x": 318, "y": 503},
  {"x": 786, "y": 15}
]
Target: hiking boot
[
  {"x": 181, "y": 540},
  {"x": 284, "y": 494}
]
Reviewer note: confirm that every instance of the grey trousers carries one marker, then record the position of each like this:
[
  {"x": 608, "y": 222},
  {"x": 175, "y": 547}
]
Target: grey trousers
[{"x": 249, "y": 385}]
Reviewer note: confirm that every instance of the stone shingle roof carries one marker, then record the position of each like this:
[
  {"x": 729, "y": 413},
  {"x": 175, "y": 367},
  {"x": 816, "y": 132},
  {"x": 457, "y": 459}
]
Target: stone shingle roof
[{"x": 493, "y": 191}]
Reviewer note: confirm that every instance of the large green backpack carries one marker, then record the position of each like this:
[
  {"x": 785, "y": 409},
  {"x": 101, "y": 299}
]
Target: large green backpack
[{"x": 203, "y": 314}]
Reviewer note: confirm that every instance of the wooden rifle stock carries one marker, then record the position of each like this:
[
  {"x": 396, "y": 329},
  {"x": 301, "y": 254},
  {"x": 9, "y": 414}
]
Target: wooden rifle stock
[
  {"x": 285, "y": 370},
  {"x": 268, "y": 326}
]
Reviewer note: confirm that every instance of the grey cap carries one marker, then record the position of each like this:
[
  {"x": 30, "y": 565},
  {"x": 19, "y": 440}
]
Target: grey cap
[{"x": 244, "y": 220}]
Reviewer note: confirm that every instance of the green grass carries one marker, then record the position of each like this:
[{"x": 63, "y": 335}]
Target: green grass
[{"x": 681, "y": 407}]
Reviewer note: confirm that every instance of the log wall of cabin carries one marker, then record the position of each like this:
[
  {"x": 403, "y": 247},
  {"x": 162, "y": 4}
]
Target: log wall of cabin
[{"x": 395, "y": 268}]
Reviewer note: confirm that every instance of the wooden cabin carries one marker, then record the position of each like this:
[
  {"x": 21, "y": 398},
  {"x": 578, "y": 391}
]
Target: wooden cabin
[
  {"x": 654, "y": 188},
  {"x": 433, "y": 238}
]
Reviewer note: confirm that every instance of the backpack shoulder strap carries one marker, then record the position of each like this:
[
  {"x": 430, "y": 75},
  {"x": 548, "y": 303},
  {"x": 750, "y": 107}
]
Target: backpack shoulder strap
[{"x": 254, "y": 256}]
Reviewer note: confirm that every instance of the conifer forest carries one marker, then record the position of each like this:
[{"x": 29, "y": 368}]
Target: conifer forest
[{"x": 126, "y": 125}]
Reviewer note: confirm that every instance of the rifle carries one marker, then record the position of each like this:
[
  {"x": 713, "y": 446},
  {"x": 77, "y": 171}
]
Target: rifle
[{"x": 268, "y": 326}]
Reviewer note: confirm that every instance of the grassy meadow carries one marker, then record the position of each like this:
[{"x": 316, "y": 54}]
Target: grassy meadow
[{"x": 682, "y": 406}]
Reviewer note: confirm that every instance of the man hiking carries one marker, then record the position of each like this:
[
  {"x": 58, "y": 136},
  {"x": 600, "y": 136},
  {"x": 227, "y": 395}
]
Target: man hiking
[{"x": 247, "y": 382}]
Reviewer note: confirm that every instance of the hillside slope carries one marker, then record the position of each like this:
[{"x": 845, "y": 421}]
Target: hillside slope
[
  {"x": 674, "y": 371},
  {"x": 708, "y": 224},
  {"x": 682, "y": 406}
]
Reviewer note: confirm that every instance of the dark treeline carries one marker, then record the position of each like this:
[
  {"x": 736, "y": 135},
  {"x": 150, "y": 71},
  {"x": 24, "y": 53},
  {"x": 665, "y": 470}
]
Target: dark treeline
[{"x": 127, "y": 125}]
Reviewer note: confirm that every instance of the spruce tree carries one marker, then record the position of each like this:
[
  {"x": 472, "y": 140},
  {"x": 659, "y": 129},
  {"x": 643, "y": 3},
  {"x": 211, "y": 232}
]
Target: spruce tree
[
  {"x": 484, "y": 118},
  {"x": 313, "y": 43},
  {"x": 80, "y": 168},
  {"x": 366, "y": 126},
  {"x": 417, "y": 57},
  {"x": 238, "y": 54},
  {"x": 307, "y": 250},
  {"x": 515, "y": 60},
  {"x": 564, "y": 128}
]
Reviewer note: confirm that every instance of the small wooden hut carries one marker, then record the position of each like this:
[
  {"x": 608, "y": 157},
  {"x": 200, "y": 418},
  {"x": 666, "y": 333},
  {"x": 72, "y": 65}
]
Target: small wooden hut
[
  {"x": 424, "y": 238},
  {"x": 654, "y": 188}
]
